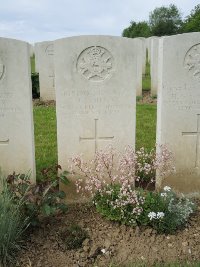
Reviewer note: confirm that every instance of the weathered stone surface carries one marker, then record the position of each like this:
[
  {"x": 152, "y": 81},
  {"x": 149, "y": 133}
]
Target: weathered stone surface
[
  {"x": 44, "y": 54},
  {"x": 95, "y": 94},
  {"x": 31, "y": 47},
  {"x": 140, "y": 62},
  {"x": 148, "y": 47},
  {"x": 178, "y": 123},
  {"x": 143, "y": 54},
  {"x": 16, "y": 118},
  {"x": 154, "y": 65}
]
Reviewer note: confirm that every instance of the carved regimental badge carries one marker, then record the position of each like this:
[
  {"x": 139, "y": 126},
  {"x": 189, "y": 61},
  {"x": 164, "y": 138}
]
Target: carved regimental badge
[
  {"x": 192, "y": 61},
  {"x": 95, "y": 63},
  {"x": 2, "y": 69}
]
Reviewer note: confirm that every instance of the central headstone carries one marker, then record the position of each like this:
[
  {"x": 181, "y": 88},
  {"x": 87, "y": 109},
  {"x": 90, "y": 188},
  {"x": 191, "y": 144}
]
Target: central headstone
[{"x": 95, "y": 93}]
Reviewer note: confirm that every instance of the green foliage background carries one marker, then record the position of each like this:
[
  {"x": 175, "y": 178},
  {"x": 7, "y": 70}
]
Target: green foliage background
[{"x": 165, "y": 20}]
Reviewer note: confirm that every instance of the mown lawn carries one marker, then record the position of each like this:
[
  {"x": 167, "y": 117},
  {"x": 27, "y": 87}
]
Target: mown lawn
[
  {"x": 146, "y": 79},
  {"x": 45, "y": 137},
  {"x": 145, "y": 126},
  {"x": 46, "y": 140}
]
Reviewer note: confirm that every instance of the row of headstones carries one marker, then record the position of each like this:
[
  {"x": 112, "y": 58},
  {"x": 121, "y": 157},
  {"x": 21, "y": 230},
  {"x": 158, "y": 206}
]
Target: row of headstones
[
  {"x": 44, "y": 65},
  {"x": 95, "y": 101}
]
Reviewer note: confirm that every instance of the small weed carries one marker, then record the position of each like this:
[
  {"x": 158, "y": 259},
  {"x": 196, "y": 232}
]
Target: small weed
[
  {"x": 73, "y": 237},
  {"x": 42, "y": 199},
  {"x": 138, "y": 98},
  {"x": 154, "y": 96}
]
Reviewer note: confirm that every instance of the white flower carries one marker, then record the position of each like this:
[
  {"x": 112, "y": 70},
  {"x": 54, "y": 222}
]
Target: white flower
[
  {"x": 152, "y": 215},
  {"x": 163, "y": 194},
  {"x": 103, "y": 250},
  {"x": 167, "y": 188},
  {"x": 160, "y": 215}
]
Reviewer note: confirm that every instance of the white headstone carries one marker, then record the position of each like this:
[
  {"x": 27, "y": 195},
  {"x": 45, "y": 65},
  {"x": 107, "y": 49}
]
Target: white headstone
[
  {"x": 148, "y": 47},
  {"x": 36, "y": 59},
  {"x": 143, "y": 54},
  {"x": 179, "y": 107},
  {"x": 95, "y": 94},
  {"x": 31, "y": 50},
  {"x": 44, "y": 58},
  {"x": 140, "y": 59},
  {"x": 16, "y": 115},
  {"x": 154, "y": 65}
]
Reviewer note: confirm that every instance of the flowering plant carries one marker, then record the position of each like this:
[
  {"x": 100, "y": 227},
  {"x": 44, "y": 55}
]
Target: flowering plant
[
  {"x": 147, "y": 163},
  {"x": 165, "y": 211},
  {"x": 110, "y": 179},
  {"x": 129, "y": 168}
]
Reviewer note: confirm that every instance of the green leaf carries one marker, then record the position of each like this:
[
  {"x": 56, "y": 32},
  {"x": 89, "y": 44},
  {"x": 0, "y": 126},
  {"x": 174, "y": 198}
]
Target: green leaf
[
  {"x": 64, "y": 179},
  {"x": 46, "y": 209},
  {"x": 62, "y": 207},
  {"x": 61, "y": 194}
]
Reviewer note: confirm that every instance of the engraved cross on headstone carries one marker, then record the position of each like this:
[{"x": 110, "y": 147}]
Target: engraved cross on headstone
[
  {"x": 197, "y": 134},
  {"x": 96, "y": 138},
  {"x": 4, "y": 142}
]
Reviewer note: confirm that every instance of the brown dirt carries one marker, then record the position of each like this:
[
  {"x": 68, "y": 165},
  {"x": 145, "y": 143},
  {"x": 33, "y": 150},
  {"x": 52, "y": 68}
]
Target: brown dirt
[
  {"x": 122, "y": 244},
  {"x": 147, "y": 98},
  {"x": 38, "y": 102}
]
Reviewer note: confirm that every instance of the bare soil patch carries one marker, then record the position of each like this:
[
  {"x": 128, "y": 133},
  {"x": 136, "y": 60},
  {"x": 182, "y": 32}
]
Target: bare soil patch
[
  {"x": 38, "y": 102},
  {"x": 108, "y": 242},
  {"x": 147, "y": 98}
]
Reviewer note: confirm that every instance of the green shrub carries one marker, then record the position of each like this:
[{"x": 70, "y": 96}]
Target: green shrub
[
  {"x": 115, "y": 205},
  {"x": 35, "y": 85},
  {"x": 13, "y": 223},
  {"x": 73, "y": 237},
  {"x": 165, "y": 211},
  {"x": 42, "y": 199}
]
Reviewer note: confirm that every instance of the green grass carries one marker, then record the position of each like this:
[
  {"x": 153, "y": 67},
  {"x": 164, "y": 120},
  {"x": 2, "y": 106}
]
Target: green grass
[
  {"x": 45, "y": 137},
  {"x": 145, "y": 126},
  {"x": 146, "y": 79},
  {"x": 46, "y": 140}
]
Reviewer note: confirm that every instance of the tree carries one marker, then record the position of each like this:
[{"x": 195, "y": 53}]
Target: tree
[
  {"x": 165, "y": 20},
  {"x": 140, "y": 29},
  {"x": 192, "y": 22}
]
